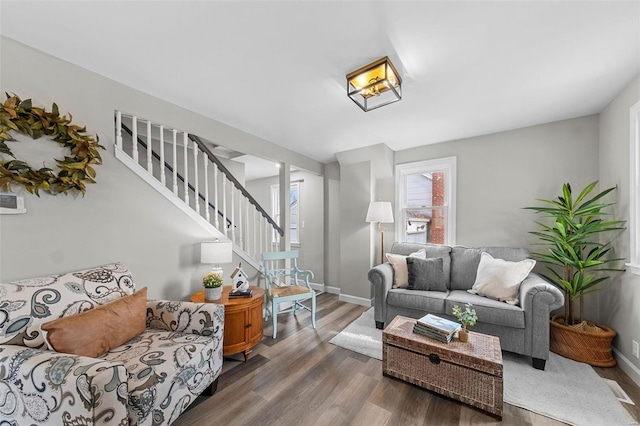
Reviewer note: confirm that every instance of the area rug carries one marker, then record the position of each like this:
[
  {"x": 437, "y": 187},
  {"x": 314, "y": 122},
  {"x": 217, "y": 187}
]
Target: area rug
[
  {"x": 361, "y": 336},
  {"x": 566, "y": 390}
]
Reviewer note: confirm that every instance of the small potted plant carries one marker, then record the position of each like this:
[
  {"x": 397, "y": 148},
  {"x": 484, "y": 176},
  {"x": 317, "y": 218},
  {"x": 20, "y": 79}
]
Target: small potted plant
[
  {"x": 212, "y": 283},
  {"x": 467, "y": 317}
]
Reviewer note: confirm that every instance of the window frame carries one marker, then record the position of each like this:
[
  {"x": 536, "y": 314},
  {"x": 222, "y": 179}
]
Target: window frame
[
  {"x": 275, "y": 211},
  {"x": 448, "y": 165},
  {"x": 634, "y": 188}
]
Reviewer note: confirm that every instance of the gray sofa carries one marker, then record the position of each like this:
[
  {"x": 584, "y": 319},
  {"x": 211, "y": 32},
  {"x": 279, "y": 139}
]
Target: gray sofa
[{"x": 522, "y": 328}]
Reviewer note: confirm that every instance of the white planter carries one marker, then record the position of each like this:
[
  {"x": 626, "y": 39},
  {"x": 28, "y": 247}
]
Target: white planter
[{"x": 212, "y": 293}]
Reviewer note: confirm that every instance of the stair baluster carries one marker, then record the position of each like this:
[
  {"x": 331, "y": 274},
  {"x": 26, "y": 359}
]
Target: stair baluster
[
  {"x": 196, "y": 178},
  {"x": 175, "y": 162},
  {"x": 163, "y": 177},
  {"x": 215, "y": 194},
  {"x": 251, "y": 233},
  {"x": 224, "y": 205},
  {"x": 149, "y": 148},
  {"x": 119, "y": 129},
  {"x": 233, "y": 213},
  {"x": 205, "y": 164},
  {"x": 134, "y": 129},
  {"x": 185, "y": 139}
]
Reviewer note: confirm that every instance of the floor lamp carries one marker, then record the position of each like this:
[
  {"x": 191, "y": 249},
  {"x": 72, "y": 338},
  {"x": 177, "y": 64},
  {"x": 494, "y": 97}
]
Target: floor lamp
[{"x": 381, "y": 212}]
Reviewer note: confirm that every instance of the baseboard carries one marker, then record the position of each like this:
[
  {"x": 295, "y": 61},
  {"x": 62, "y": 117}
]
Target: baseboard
[
  {"x": 627, "y": 366},
  {"x": 355, "y": 300},
  {"x": 332, "y": 290},
  {"x": 318, "y": 287},
  {"x": 342, "y": 297}
]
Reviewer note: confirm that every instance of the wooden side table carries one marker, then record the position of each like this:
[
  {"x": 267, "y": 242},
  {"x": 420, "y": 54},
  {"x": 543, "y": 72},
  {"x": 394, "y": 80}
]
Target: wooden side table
[{"x": 242, "y": 320}]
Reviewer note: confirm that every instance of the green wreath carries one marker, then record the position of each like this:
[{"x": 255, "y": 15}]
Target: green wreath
[{"x": 74, "y": 171}]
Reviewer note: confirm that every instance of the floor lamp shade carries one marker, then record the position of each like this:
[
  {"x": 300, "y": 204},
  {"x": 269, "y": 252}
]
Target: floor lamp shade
[{"x": 380, "y": 211}]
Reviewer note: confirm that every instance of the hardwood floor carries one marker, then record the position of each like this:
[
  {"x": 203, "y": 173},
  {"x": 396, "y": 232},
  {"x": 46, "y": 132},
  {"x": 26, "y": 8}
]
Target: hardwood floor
[{"x": 301, "y": 379}]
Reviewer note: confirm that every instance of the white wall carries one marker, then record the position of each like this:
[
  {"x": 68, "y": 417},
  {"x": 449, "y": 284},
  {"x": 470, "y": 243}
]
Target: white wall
[
  {"x": 121, "y": 218},
  {"x": 620, "y": 301}
]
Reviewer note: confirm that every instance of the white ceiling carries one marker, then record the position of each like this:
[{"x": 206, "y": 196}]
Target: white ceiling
[{"x": 277, "y": 69}]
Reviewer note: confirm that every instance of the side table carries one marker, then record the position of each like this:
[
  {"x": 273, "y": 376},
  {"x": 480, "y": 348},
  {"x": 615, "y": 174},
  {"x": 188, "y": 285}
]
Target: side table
[{"x": 242, "y": 320}]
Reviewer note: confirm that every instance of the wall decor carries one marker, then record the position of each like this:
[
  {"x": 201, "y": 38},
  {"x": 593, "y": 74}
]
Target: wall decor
[{"x": 74, "y": 171}]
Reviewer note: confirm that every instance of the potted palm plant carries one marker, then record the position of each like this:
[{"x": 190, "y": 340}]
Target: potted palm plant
[
  {"x": 212, "y": 283},
  {"x": 577, "y": 260},
  {"x": 467, "y": 317}
]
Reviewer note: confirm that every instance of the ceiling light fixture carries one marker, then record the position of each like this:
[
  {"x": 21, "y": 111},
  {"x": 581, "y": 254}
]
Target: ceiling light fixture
[{"x": 374, "y": 85}]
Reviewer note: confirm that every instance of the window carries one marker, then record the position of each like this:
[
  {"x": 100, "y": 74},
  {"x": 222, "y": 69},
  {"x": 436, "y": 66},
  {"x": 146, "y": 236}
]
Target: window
[
  {"x": 294, "y": 205},
  {"x": 634, "y": 196},
  {"x": 425, "y": 201}
]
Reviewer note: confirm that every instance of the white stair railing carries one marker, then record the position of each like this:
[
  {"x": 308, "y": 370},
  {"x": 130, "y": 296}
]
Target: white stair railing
[{"x": 209, "y": 193}]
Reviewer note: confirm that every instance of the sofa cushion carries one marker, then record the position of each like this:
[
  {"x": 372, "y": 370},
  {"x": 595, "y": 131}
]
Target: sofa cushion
[
  {"x": 465, "y": 260},
  {"x": 489, "y": 311},
  {"x": 159, "y": 364},
  {"x": 500, "y": 279},
  {"x": 27, "y": 304},
  {"x": 92, "y": 333},
  {"x": 399, "y": 264},
  {"x": 427, "y": 301},
  {"x": 426, "y": 274},
  {"x": 432, "y": 251}
]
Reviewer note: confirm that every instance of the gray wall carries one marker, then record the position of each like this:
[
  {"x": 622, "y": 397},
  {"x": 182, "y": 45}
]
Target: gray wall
[
  {"x": 620, "y": 301},
  {"x": 312, "y": 235},
  {"x": 497, "y": 175},
  {"x": 332, "y": 224},
  {"x": 121, "y": 218},
  {"x": 356, "y": 189},
  {"x": 500, "y": 173}
]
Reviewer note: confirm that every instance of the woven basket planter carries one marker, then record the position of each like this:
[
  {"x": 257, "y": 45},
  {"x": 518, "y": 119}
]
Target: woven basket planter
[{"x": 585, "y": 342}]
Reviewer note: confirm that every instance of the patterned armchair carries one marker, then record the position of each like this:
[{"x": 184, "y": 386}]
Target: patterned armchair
[{"x": 150, "y": 380}]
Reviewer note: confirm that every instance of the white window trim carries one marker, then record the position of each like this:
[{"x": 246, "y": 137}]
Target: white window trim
[
  {"x": 446, "y": 164},
  {"x": 275, "y": 192},
  {"x": 634, "y": 186}
]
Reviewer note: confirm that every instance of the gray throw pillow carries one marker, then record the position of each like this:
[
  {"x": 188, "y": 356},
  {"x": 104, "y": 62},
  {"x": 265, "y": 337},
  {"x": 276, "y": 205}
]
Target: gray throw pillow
[{"x": 426, "y": 274}]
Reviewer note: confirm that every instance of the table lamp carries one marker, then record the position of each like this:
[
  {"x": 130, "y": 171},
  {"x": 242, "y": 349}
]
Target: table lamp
[{"x": 215, "y": 253}]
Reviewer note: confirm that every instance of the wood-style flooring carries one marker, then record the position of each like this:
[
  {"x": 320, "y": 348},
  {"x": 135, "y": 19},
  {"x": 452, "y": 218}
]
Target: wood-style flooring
[{"x": 301, "y": 379}]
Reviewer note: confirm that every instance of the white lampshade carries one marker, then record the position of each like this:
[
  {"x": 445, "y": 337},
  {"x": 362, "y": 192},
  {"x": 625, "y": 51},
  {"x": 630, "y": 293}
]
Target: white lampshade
[
  {"x": 214, "y": 252},
  {"x": 380, "y": 211}
]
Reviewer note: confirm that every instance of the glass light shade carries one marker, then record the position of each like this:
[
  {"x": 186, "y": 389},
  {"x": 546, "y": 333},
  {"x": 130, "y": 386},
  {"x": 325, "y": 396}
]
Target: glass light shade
[
  {"x": 215, "y": 252},
  {"x": 375, "y": 85},
  {"x": 380, "y": 211}
]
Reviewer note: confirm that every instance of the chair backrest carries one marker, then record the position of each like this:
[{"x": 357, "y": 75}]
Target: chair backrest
[{"x": 276, "y": 270}]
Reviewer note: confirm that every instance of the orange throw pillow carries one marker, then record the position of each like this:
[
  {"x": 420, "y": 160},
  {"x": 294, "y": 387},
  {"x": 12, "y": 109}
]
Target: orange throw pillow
[{"x": 96, "y": 331}]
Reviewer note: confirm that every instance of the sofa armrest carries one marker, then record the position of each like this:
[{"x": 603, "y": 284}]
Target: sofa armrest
[
  {"x": 46, "y": 387},
  {"x": 536, "y": 291},
  {"x": 381, "y": 278},
  {"x": 538, "y": 298},
  {"x": 204, "y": 319}
]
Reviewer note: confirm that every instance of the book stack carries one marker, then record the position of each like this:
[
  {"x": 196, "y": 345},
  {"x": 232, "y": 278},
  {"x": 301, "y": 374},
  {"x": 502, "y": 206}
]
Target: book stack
[
  {"x": 436, "y": 328},
  {"x": 235, "y": 294}
]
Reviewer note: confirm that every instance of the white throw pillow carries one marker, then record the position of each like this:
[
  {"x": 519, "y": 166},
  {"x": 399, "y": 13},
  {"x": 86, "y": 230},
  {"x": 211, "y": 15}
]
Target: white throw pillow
[
  {"x": 500, "y": 279},
  {"x": 400, "y": 270}
]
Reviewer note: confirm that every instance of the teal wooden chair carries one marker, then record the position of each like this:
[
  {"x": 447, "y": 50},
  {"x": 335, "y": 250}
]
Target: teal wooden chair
[{"x": 287, "y": 284}]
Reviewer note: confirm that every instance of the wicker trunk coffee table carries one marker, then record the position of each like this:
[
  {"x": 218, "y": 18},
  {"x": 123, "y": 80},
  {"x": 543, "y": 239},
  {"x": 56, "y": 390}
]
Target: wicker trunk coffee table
[{"x": 468, "y": 372}]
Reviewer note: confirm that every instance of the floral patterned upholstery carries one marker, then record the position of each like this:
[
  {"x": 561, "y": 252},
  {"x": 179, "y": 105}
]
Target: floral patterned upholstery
[{"x": 149, "y": 380}]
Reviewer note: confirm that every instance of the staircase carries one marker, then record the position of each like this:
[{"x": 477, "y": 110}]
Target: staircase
[{"x": 186, "y": 172}]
